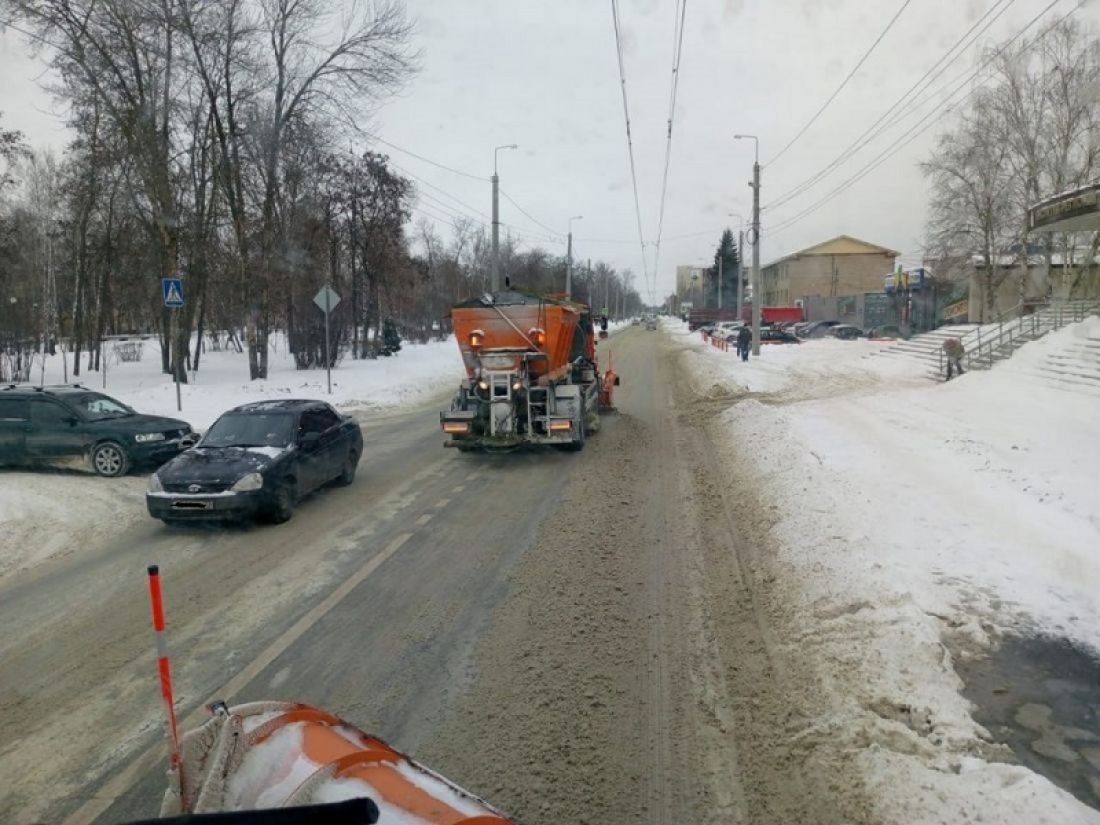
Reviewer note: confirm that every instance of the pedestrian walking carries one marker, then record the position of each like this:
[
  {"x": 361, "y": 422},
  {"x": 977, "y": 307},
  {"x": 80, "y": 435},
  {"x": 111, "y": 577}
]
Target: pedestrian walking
[
  {"x": 954, "y": 351},
  {"x": 744, "y": 341}
]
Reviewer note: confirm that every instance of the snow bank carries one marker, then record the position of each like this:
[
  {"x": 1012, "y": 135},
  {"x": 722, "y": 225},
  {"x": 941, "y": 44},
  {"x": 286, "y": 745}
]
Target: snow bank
[
  {"x": 46, "y": 515},
  {"x": 907, "y": 513},
  {"x": 819, "y": 363}
]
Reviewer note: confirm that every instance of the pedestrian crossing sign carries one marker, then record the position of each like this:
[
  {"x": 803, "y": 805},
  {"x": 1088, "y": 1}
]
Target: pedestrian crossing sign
[{"x": 173, "y": 292}]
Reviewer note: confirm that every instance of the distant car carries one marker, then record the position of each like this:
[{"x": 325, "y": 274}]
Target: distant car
[
  {"x": 651, "y": 322},
  {"x": 724, "y": 328},
  {"x": 72, "y": 425},
  {"x": 635, "y": 321},
  {"x": 818, "y": 329},
  {"x": 257, "y": 461},
  {"x": 845, "y": 332},
  {"x": 774, "y": 335},
  {"x": 888, "y": 331}
]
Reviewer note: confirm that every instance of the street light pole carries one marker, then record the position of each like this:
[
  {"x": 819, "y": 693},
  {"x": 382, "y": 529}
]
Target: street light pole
[
  {"x": 569, "y": 259},
  {"x": 740, "y": 261},
  {"x": 494, "y": 279},
  {"x": 755, "y": 240}
]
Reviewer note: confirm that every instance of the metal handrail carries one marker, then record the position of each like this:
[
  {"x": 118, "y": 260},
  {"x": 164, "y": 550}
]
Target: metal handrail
[{"x": 1039, "y": 323}]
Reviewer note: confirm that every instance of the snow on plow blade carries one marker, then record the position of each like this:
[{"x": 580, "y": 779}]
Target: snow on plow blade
[{"x": 283, "y": 755}]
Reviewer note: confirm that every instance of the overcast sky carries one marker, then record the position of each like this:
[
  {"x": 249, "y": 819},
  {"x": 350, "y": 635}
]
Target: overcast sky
[{"x": 544, "y": 74}]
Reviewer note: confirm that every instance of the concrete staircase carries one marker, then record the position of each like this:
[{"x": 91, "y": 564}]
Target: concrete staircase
[
  {"x": 924, "y": 349},
  {"x": 993, "y": 343},
  {"x": 988, "y": 344},
  {"x": 1075, "y": 366}
]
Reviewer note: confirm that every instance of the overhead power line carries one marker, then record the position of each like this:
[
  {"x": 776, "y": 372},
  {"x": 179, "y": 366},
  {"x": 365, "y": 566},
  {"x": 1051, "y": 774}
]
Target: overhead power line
[
  {"x": 529, "y": 216},
  {"x": 629, "y": 139},
  {"x": 435, "y": 163},
  {"x": 882, "y": 124},
  {"x": 677, "y": 51},
  {"x": 946, "y": 108},
  {"x": 843, "y": 83}
]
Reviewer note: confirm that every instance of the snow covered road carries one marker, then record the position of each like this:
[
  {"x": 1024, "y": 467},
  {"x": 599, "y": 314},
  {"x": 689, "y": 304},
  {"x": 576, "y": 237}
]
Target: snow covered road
[{"x": 752, "y": 598}]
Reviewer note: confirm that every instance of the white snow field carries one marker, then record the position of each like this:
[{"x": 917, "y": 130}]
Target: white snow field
[
  {"x": 906, "y": 510},
  {"x": 44, "y": 515}
]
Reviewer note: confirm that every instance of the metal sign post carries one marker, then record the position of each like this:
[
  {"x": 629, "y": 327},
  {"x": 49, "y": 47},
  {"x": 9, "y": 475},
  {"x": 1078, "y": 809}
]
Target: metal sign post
[
  {"x": 172, "y": 288},
  {"x": 327, "y": 299}
]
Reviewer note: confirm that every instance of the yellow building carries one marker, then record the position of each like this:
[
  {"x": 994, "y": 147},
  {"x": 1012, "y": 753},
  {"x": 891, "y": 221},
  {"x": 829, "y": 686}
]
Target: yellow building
[{"x": 841, "y": 266}]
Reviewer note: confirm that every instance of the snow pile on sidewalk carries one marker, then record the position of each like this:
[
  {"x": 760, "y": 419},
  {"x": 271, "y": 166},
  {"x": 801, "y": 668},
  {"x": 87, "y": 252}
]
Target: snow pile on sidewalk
[
  {"x": 815, "y": 364},
  {"x": 903, "y": 515},
  {"x": 416, "y": 373}
]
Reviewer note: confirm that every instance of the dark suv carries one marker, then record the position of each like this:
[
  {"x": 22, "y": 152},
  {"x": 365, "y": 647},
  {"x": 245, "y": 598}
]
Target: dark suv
[{"x": 75, "y": 425}]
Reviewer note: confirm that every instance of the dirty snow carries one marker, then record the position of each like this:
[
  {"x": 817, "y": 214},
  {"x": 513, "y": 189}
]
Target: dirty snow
[{"x": 908, "y": 510}]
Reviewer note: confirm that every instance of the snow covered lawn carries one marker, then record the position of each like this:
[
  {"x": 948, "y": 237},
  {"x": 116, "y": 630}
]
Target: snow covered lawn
[
  {"x": 415, "y": 374},
  {"x": 908, "y": 511}
]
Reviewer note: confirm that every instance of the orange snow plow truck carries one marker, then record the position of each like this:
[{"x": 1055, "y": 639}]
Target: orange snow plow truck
[{"x": 531, "y": 374}]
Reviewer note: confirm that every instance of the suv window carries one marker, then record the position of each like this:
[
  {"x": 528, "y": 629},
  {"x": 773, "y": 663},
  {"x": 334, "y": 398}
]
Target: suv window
[
  {"x": 13, "y": 409},
  {"x": 49, "y": 413}
]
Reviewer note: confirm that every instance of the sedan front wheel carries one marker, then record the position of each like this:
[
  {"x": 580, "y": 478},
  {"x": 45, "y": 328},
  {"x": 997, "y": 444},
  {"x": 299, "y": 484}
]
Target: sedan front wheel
[
  {"x": 283, "y": 506},
  {"x": 347, "y": 474}
]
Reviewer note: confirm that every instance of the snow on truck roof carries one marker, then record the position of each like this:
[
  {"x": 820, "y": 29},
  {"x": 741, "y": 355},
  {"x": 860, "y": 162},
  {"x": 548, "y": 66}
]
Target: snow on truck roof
[{"x": 509, "y": 298}]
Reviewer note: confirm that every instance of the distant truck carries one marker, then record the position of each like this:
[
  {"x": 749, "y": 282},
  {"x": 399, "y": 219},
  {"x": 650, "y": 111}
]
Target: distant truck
[{"x": 531, "y": 373}]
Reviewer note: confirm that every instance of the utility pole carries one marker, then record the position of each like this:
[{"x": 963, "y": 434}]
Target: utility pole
[
  {"x": 494, "y": 279},
  {"x": 569, "y": 259},
  {"x": 755, "y": 240},
  {"x": 720, "y": 257}
]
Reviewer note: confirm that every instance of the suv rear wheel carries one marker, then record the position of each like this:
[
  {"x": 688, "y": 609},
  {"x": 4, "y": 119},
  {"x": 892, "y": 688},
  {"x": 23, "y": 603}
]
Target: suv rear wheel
[{"x": 110, "y": 460}]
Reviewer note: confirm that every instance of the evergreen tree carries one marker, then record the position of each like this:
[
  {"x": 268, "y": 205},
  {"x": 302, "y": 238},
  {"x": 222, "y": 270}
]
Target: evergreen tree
[{"x": 727, "y": 254}]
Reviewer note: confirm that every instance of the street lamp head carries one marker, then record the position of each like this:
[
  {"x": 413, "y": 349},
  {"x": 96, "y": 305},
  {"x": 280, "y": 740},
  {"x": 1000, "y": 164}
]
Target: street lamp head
[{"x": 497, "y": 149}]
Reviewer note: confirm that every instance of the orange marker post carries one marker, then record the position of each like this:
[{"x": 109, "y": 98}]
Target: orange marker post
[{"x": 165, "y": 677}]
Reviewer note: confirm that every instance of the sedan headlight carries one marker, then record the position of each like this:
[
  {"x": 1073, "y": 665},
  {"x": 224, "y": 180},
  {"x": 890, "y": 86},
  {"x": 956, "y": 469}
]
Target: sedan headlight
[
  {"x": 250, "y": 482},
  {"x": 154, "y": 484},
  {"x": 141, "y": 438}
]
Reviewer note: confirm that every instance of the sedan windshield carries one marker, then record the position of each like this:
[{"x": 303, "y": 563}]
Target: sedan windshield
[
  {"x": 96, "y": 407},
  {"x": 251, "y": 430}
]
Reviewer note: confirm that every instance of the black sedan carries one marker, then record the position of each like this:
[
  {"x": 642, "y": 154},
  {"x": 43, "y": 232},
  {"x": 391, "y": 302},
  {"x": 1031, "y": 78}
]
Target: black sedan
[{"x": 257, "y": 461}]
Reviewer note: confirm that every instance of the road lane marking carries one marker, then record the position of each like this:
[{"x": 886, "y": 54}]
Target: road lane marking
[
  {"x": 424, "y": 519},
  {"x": 443, "y": 502},
  {"x": 458, "y": 488},
  {"x": 123, "y": 781}
]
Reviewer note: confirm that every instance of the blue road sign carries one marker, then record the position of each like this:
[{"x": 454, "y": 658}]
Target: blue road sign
[{"x": 173, "y": 292}]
